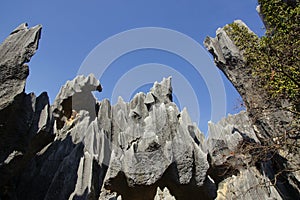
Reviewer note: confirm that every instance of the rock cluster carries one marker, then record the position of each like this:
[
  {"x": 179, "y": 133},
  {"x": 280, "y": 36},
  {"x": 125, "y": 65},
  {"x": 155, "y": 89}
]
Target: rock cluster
[{"x": 82, "y": 148}]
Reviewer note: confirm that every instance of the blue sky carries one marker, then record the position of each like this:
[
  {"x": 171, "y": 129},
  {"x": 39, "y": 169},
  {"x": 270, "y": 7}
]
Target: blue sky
[{"x": 72, "y": 29}]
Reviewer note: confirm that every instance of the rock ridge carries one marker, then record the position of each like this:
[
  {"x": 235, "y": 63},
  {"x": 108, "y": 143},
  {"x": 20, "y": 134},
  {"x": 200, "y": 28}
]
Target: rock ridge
[{"x": 82, "y": 148}]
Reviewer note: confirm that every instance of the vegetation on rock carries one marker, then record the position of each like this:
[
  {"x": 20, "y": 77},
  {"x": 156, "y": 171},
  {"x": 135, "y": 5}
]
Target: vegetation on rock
[
  {"x": 273, "y": 62},
  {"x": 274, "y": 58}
]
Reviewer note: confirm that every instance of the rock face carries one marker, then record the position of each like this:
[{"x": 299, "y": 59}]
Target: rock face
[
  {"x": 248, "y": 184},
  {"x": 269, "y": 117},
  {"x": 82, "y": 148},
  {"x": 15, "y": 51},
  {"x": 230, "y": 60},
  {"x": 232, "y": 164},
  {"x": 129, "y": 150},
  {"x": 153, "y": 145},
  {"x": 76, "y": 95},
  {"x": 25, "y": 125}
]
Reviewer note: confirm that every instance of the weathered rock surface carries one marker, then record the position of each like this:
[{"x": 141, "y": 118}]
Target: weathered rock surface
[
  {"x": 265, "y": 113},
  {"x": 248, "y": 184},
  {"x": 15, "y": 51},
  {"x": 269, "y": 117},
  {"x": 233, "y": 163},
  {"x": 25, "y": 120},
  {"x": 224, "y": 142},
  {"x": 153, "y": 145},
  {"x": 80, "y": 148},
  {"x": 76, "y": 95},
  {"x": 129, "y": 150}
]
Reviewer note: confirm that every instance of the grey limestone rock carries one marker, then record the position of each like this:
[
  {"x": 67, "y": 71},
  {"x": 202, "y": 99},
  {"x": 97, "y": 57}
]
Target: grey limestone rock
[
  {"x": 153, "y": 146},
  {"x": 82, "y": 148},
  {"x": 270, "y": 118},
  {"x": 224, "y": 142},
  {"x": 74, "y": 96},
  {"x": 248, "y": 184},
  {"x": 266, "y": 114},
  {"x": 25, "y": 120},
  {"x": 127, "y": 150},
  {"x": 15, "y": 51},
  {"x": 226, "y": 136}
]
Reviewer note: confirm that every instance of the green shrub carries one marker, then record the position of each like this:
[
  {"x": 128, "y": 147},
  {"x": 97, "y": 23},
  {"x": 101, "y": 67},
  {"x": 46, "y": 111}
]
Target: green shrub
[{"x": 274, "y": 58}]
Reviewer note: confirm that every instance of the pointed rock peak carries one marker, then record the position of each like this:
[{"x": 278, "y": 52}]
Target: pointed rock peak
[
  {"x": 241, "y": 23},
  {"x": 77, "y": 85},
  {"x": 149, "y": 99},
  {"x": 76, "y": 95},
  {"x": 163, "y": 194},
  {"x": 138, "y": 96},
  {"x": 24, "y": 27},
  {"x": 20, "y": 28},
  {"x": 120, "y": 100},
  {"x": 185, "y": 117},
  {"x": 138, "y": 108},
  {"x": 15, "y": 51},
  {"x": 162, "y": 91}
]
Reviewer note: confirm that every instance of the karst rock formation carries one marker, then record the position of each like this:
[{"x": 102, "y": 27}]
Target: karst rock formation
[{"x": 145, "y": 149}]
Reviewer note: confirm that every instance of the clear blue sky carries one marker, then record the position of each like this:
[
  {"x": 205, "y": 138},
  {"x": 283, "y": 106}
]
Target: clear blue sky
[{"x": 71, "y": 29}]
